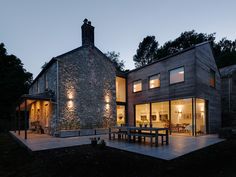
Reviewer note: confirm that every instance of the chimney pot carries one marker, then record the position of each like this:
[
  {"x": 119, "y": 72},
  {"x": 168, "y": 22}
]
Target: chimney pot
[
  {"x": 87, "y": 33},
  {"x": 85, "y": 20}
]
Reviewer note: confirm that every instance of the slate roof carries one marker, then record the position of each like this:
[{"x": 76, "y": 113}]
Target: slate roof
[{"x": 228, "y": 71}]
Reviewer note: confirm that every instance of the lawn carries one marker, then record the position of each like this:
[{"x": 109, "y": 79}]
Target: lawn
[{"x": 215, "y": 161}]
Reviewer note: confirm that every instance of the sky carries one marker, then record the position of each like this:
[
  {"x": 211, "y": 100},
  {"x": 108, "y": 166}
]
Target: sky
[{"x": 37, "y": 30}]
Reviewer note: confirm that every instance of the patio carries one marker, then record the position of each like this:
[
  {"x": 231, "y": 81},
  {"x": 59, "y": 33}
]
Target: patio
[{"x": 178, "y": 145}]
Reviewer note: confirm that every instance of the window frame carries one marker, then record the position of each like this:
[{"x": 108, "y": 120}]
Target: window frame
[
  {"x": 133, "y": 86},
  {"x": 212, "y": 71},
  {"x": 176, "y": 69},
  {"x": 149, "y": 81}
]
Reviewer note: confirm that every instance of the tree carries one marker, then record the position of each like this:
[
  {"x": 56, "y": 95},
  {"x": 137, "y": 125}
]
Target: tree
[
  {"x": 114, "y": 57},
  {"x": 185, "y": 40},
  {"x": 146, "y": 51},
  {"x": 225, "y": 52},
  {"x": 15, "y": 81}
]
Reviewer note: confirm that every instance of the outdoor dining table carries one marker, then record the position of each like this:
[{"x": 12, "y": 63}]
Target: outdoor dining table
[
  {"x": 153, "y": 132},
  {"x": 143, "y": 132}
]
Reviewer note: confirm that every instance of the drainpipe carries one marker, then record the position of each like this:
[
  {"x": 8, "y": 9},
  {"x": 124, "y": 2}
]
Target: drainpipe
[{"x": 57, "y": 118}]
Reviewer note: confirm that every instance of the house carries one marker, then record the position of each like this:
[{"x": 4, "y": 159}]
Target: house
[
  {"x": 181, "y": 91},
  {"x": 82, "y": 89},
  {"x": 228, "y": 95}
]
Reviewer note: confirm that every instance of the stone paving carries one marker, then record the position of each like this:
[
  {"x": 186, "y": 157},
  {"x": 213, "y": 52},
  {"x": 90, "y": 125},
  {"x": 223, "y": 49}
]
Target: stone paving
[{"x": 178, "y": 145}]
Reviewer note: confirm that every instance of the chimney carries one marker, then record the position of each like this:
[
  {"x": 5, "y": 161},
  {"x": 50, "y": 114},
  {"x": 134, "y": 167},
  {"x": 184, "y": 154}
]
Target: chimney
[{"x": 87, "y": 33}]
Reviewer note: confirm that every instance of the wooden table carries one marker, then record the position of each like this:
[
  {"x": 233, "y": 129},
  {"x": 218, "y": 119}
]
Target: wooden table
[{"x": 148, "y": 132}]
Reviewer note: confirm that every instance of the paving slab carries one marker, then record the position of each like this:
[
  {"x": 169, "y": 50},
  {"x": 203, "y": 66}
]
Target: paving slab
[{"x": 178, "y": 145}]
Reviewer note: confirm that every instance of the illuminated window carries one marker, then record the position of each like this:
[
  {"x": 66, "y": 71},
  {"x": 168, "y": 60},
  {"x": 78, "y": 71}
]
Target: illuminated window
[
  {"x": 120, "y": 89},
  {"x": 212, "y": 78},
  {"x": 137, "y": 86},
  {"x": 177, "y": 75},
  {"x": 154, "y": 81},
  {"x": 142, "y": 114}
]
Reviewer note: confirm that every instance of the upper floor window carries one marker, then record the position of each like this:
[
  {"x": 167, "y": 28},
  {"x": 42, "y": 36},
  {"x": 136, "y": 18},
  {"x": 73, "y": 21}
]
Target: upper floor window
[
  {"x": 46, "y": 81},
  {"x": 177, "y": 75},
  {"x": 120, "y": 89},
  {"x": 137, "y": 86},
  {"x": 37, "y": 87},
  {"x": 212, "y": 78},
  {"x": 154, "y": 81}
]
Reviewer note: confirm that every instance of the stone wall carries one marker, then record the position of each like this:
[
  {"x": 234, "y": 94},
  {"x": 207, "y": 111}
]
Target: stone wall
[
  {"x": 51, "y": 73},
  {"x": 87, "y": 89}
]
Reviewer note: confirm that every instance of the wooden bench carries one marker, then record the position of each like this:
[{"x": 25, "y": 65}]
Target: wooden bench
[{"x": 121, "y": 133}]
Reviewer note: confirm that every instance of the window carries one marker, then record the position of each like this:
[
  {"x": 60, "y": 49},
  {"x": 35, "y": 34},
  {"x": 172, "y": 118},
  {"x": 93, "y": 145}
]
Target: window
[
  {"x": 120, "y": 89},
  {"x": 37, "y": 87},
  {"x": 154, "y": 81},
  {"x": 46, "y": 81},
  {"x": 142, "y": 114},
  {"x": 137, "y": 86},
  {"x": 177, "y": 75},
  {"x": 212, "y": 78},
  {"x": 120, "y": 115}
]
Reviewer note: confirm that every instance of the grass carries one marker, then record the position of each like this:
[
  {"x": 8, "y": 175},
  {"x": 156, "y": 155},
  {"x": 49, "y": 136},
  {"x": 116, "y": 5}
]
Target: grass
[{"x": 214, "y": 161}]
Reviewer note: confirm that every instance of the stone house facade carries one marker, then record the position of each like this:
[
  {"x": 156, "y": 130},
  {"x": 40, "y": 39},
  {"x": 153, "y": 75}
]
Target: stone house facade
[
  {"x": 84, "y": 92},
  {"x": 181, "y": 92}
]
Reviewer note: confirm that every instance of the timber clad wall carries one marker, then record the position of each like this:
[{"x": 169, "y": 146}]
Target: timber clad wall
[
  {"x": 204, "y": 62},
  {"x": 166, "y": 91},
  {"x": 228, "y": 95},
  {"x": 197, "y": 63}
]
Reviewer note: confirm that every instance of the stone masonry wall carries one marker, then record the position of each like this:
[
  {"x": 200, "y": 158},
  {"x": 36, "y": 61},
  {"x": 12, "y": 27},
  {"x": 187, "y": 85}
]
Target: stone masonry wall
[{"x": 87, "y": 90}]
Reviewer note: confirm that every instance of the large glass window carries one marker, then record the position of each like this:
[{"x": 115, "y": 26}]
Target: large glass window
[
  {"x": 142, "y": 114},
  {"x": 200, "y": 117},
  {"x": 137, "y": 86},
  {"x": 120, "y": 89},
  {"x": 160, "y": 114},
  {"x": 120, "y": 111},
  {"x": 181, "y": 116},
  {"x": 212, "y": 78},
  {"x": 154, "y": 81},
  {"x": 177, "y": 75}
]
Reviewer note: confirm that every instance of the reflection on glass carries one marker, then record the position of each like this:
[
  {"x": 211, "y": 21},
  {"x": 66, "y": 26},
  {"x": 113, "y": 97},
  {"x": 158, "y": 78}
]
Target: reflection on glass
[
  {"x": 142, "y": 114},
  {"x": 200, "y": 117},
  {"x": 120, "y": 114},
  {"x": 154, "y": 81},
  {"x": 177, "y": 75},
  {"x": 160, "y": 114},
  {"x": 181, "y": 116},
  {"x": 212, "y": 78},
  {"x": 137, "y": 86},
  {"x": 120, "y": 89}
]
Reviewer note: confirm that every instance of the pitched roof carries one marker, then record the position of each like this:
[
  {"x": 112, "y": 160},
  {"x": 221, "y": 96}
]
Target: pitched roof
[
  {"x": 170, "y": 56},
  {"x": 54, "y": 59},
  {"x": 227, "y": 71}
]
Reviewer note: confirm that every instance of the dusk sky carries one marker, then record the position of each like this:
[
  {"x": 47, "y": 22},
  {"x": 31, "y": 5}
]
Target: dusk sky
[{"x": 37, "y": 30}]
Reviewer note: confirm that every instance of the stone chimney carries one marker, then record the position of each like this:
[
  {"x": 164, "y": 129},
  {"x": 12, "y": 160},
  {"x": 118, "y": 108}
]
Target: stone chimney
[{"x": 87, "y": 33}]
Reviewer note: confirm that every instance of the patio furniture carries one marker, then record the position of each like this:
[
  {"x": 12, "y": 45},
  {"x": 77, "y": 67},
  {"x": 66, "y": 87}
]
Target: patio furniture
[
  {"x": 143, "y": 132},
  {"x": 121, "y": 132}
]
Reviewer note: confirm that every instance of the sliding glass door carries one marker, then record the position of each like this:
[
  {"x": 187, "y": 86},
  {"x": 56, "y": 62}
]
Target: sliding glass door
[{"x": 182, "y": 116}]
